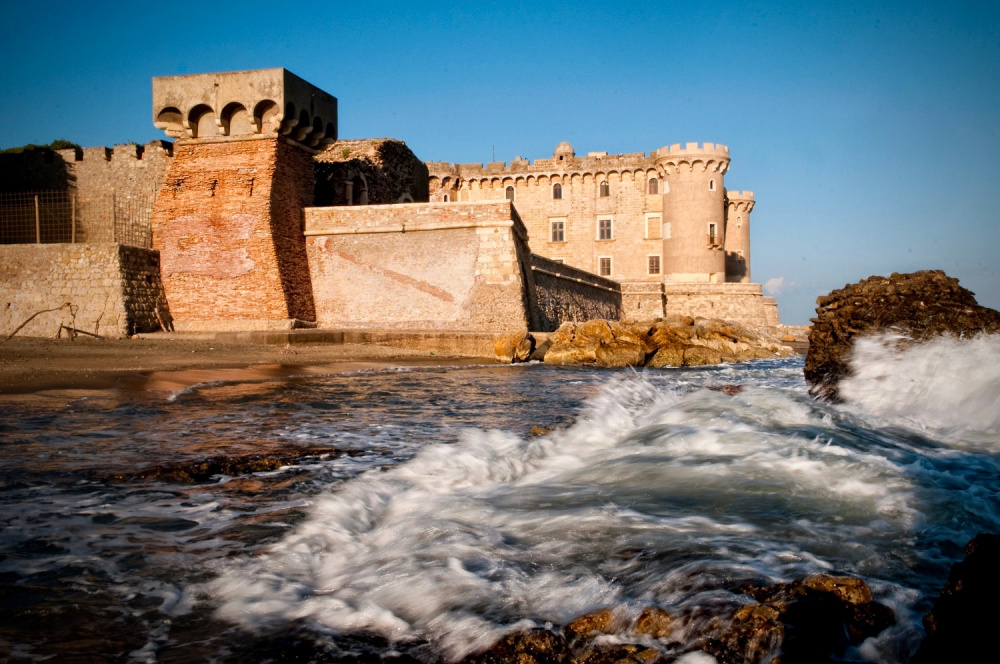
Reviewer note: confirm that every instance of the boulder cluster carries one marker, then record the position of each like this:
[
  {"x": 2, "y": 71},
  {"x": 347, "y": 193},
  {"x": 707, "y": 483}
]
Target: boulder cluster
[
  {"x": 812, "y": 620},
  {"x": 676, "y": 341},
  {"x": 920, "y": 306}
]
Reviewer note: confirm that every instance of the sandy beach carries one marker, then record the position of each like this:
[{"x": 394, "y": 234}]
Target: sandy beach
[{"x": 30, "y": 364}]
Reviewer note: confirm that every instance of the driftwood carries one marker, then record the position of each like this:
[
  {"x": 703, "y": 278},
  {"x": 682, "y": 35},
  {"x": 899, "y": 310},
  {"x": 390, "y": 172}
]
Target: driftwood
[
  {"x": 73, "y": 332},
  {"x": 72, "y": 312}
]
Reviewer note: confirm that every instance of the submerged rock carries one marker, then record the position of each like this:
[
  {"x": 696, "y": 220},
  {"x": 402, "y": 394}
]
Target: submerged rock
[
  {"x": 920, "y": 306},
  {"x": 960, "y": 626},
  {"x": 202, "y": 470},
  {"x": 531, "y": 646}
]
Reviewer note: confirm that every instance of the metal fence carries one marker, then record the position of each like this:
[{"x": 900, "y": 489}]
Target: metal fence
[{"x": 49, "y": 217}]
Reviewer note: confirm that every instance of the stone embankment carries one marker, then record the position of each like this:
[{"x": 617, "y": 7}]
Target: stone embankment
[
  {"x": 812, "y": 620},
  {"x": 919, "y": 306},
  {"x": 672, "y": 342}
]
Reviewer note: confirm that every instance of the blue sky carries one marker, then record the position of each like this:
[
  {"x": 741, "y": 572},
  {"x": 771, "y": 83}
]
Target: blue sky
[{"x": 868, "y": 131}]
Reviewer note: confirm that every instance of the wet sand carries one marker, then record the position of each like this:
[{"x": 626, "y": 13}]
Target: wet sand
[{"x": 34, "y": 364}]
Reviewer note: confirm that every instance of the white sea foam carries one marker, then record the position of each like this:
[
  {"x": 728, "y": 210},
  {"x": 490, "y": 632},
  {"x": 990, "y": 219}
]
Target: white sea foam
[
  {"x": 948, "y": 386},
  {"x": 468, "y": 540}
]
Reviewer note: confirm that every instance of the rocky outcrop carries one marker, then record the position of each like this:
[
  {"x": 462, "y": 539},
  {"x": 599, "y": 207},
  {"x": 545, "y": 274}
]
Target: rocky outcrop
[
  {"x": 960, "y": 626},
  {"x": 203, "y": 470},
  {"x": 673, "y": 342},
  {"x": 515, "y": 347},
  {"x": 920, "y": 306},
  {"x": 802, "y": 622}
]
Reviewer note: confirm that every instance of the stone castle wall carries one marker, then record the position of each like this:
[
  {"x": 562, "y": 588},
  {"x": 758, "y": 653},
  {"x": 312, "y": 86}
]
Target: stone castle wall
[
  {"x": 420, "y": 266},
  {"x": 743, "y": 303},
  {"x": 565, "y": 293},
  {"x": 228, "y": 225},
  {"x": 115, "y": 289}
]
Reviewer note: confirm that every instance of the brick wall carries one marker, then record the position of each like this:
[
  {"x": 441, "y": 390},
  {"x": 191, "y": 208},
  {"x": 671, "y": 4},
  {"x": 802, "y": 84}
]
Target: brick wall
[
  {"x": 115, "y": 290},
  {"x": 228, "y": 224},
  {"x": 743, "y": 303},
  {"x": 565, "y": 293},
  {"x": 420, "y": 266}
]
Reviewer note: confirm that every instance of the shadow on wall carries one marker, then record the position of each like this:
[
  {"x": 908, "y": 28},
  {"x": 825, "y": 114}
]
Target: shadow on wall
[
  {"x": 736, "y": 267},
  {"x": 369, "y": 172},
  {"x": 37, "y": 169}
]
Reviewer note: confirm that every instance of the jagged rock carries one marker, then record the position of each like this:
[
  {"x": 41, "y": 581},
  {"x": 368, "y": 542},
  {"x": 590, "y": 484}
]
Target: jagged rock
[
  {"x": 655, "y": 622},
  {"x": 961, "y": 623},
  {"x": 532, "y": 646},
  {"x": 515, "y": 347},
  {"x": 806, "y": 621},
  {"x": 695, "y": 356},
  {"x": 601, "y": 621},
  {"x": 617, "y": 653},
  {"x": 921, "y": 305},
  {"x": 668, "y": 356},
  {"x": 204, "y": 469}
]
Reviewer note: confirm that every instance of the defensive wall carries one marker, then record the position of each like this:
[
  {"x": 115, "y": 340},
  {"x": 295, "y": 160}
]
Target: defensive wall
[
  {"x": 744, "y": 303},
  {"x": 113, "y": 290},
  {"x": 565, "y": 293}
]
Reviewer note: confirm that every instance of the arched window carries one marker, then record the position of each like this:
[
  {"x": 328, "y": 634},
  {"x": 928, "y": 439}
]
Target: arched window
[
  {"x": 445, "y": 198},
  {"x": 556, "y": 191},
  {"x": 605, "y": 189},
  {"x": 509, "y": 193},
  {"x": 654, "y": 186}
]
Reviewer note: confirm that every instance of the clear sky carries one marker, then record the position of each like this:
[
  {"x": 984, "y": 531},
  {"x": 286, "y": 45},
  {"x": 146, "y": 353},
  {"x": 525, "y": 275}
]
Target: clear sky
[{"x": 868, "y": 131}]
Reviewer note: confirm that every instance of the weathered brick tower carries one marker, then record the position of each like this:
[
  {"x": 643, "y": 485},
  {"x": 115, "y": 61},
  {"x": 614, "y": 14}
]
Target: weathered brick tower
[{"x": 228, "y": 220}]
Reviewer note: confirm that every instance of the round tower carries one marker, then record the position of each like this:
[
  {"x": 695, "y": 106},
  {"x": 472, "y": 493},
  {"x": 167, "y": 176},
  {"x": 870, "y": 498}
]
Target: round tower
[
  {"x": 694, "y": 211},
  {"x": 563, "y": 152},
  {"x": 738, "y": 207}
]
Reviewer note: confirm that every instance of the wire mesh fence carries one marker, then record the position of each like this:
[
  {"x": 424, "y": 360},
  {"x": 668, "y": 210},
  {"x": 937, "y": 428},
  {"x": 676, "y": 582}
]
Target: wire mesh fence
[{"x": 48, "y": 217}]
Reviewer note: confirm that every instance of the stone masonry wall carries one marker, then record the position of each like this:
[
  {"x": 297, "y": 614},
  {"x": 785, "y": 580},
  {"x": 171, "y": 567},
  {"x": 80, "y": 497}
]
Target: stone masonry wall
[
  {"x": 115, "y": 290},
  {"x": 566, "y": 293},
  {"x": 228, "y": 224},
  {"x": 643, "y": 300},
  {"x": 420, "y": 266},
  {"x": 743, "y": 303}
]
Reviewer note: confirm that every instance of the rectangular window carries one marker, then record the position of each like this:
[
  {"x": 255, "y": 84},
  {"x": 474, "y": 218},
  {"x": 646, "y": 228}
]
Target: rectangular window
[
  {"x": 604, "y": 266},
  {"x": 654, "y": 264},
  {"x": 713, "y": 233},
  {"x": 558, "y": 230},
  {"x": 654, "y": 227},
  {"x": 604, "y": 228}
]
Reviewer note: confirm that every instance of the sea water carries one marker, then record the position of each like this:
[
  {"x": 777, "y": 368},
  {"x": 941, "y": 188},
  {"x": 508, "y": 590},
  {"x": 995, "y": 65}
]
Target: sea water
[{"x": 450, "y": 523}]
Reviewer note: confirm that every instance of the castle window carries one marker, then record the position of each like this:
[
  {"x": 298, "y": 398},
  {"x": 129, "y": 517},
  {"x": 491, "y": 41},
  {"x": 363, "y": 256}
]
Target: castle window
[
  {"x": 445, "y": 198},
  {"x": 557, "y": 230},
  {"x": 654, "y": 186},
  {"x": 739, "y": 222},
  {"x": 604, "y": 266},
  {"x": 653, "y": 264},
  {"x": 605, "y": 230},
  {"x": 556, "y": 191},
  {"x": 654, "y": 227},
  {"x": 605, "y": 189},
  {"x": 711, "y": 185},
  {"x": 713, "y": 233},
  {"x": 509, "y": 193}
]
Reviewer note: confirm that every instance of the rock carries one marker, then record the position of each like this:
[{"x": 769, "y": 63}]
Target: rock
[
  {"x": 515, "y": 347},
  {"x": 655, "y": 622},
  {"x": 601, "y": 621},
  {"x": 813, "y": 620},
  {"x": 921, "y": 306},
  {"x": 620, "y": 354},
  {"x": 961, "y": 623},
  {"x": 695, "y": 356},
  {"x": 532, "y": 646},
  {"x": 668, "y": 356},
  {"x": 537, "y": 430},
  {"x": 617, "y": 653},
  {"x": 229, "y": 464}
]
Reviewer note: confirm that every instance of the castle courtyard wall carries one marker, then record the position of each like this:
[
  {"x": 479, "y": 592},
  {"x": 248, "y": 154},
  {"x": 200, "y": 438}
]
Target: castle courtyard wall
[{"x": 114, "y": 290}]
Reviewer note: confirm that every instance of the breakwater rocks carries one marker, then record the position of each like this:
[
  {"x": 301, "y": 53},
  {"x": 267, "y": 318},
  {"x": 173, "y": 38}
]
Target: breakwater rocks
[
  {"x": 807, "y": 621},
  {"x": 920, "y": 306},
  {"x": 671, "y": 342}
]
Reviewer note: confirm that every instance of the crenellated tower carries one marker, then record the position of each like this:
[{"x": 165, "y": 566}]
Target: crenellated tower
[
  {"x": 694, "y": 212},
  {"x": 738, "y": 207}
]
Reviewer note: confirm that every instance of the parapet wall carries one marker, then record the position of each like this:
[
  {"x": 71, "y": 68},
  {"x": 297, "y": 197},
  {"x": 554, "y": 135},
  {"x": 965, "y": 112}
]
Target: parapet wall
[
  {"x": 743, "y": 303},
  {"x": 115, "y": 290},
  {"x": 420, "y": 266},
  {"x": 643, "y": 300},
  {"x": 566, "y": 293}
]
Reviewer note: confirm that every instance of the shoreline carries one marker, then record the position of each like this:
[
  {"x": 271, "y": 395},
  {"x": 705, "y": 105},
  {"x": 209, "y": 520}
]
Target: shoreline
[{"x": 35, "y": 364}]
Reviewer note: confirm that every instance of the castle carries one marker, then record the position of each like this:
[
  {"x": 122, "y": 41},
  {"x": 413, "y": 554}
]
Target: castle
[{"x": 264, "y": 220}]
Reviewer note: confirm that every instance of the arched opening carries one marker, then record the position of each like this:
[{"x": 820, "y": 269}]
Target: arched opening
[
  {"x": 509, "y": 193},
  {"x": 201, "y": 122},
  {"x": 445, "y": 198},
  {"x": 605, "y": 189},
  {"x": 330, "y": 135},
  {"x": 289, "y": 121},
  {"x": 303, "y": 126},
  {"x": 654, "y": 186},
  {"x": 556, "y": 191},
  {"x": 236, "y": 120},
  {"x": 265, "y": 116},
  {"x": 359, "y": 190},
  {"x": 171, "y": 121}
]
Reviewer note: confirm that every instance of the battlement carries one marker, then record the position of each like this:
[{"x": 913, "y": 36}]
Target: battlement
[
  {"x": 242, "y": 104},
  {"x": 123, "y": 152},
  {"x": 690, "y": 149},
  {"x": 592, "y": 163},
  {"x": 741, "y": 195}
]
